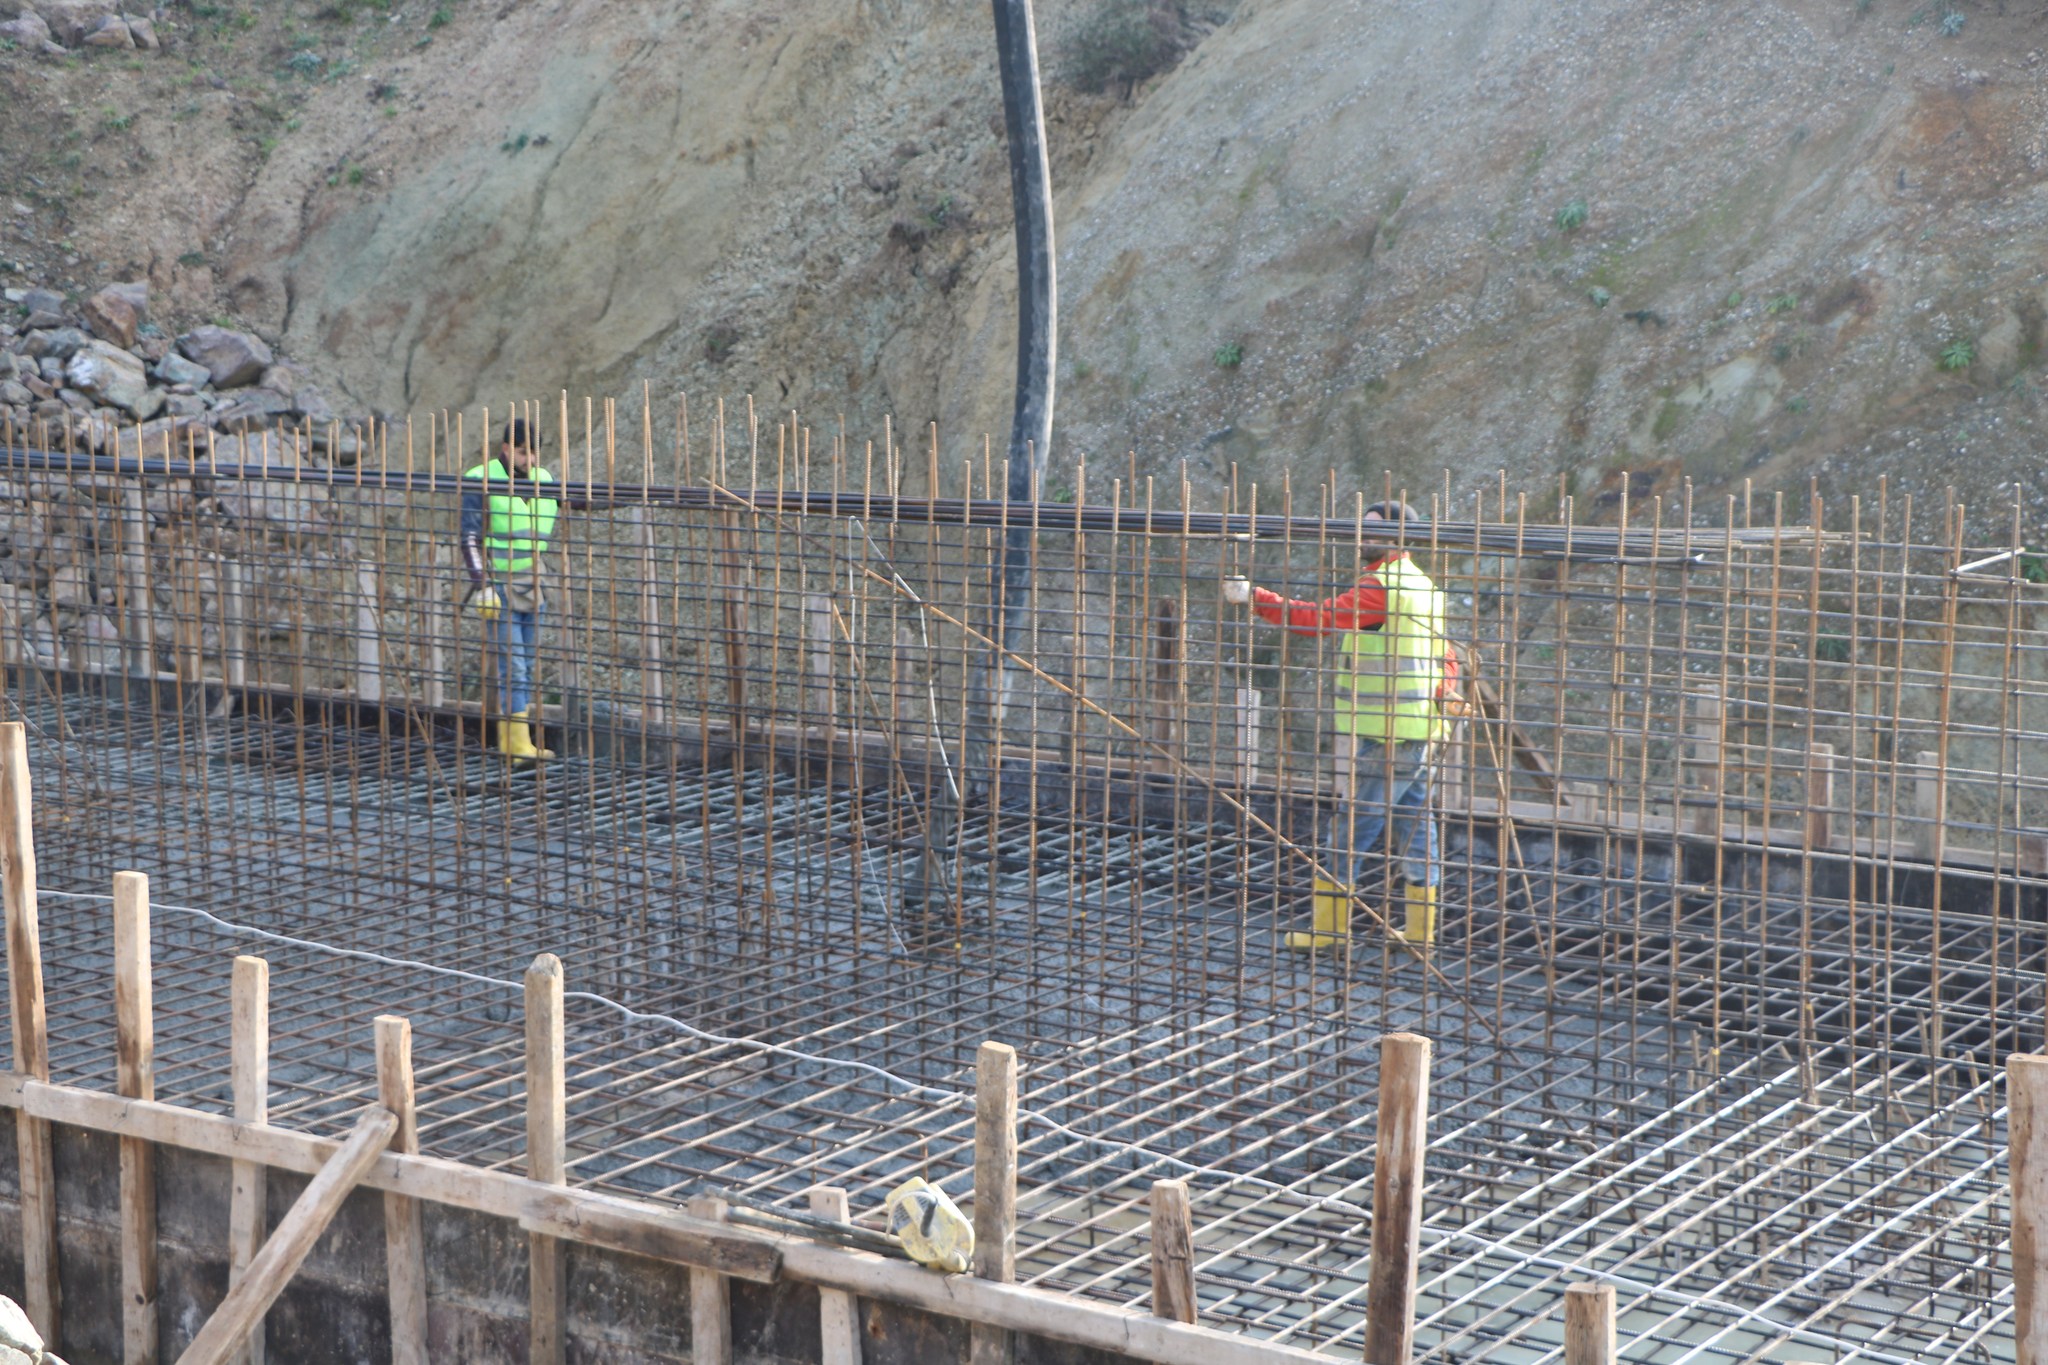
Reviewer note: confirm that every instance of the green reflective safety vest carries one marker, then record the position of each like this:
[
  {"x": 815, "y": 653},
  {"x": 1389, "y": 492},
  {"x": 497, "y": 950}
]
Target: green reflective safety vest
[
  {"x": 1387, "y": 679},
  {"x": 516, "y": 530}
]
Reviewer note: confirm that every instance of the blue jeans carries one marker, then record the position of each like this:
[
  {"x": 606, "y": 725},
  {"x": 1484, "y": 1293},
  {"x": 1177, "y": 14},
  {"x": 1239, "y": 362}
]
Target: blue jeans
[
  {"x": 515, "y": 639},
  {"x": 1385, "y": 783}
]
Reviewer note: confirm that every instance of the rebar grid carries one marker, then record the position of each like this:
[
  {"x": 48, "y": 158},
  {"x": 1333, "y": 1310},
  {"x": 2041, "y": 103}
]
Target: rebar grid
[{"x": 1707, "y": 1023}]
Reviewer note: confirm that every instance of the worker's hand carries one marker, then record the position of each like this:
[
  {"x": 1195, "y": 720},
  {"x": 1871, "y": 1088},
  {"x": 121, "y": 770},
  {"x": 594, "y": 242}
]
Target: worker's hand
[
  {"x": 486, "y": 603},
  {"x": 1237, "y": 591}
]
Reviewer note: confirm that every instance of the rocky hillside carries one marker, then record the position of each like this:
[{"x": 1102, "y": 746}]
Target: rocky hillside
[{"x": 1787, "y": 241}]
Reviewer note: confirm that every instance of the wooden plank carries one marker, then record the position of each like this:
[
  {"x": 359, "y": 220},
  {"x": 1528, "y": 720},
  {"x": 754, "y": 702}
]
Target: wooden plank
[
  {"x": 248, "y": 1203},
  {"x": 40, "y": 1293},
  {"x": 138, "y": 624},
  {"x": 1057, "y": 1317},
  {"x": 296, "y": 1234},
  {"x": 135, "y": 1078},
  {"x": 1526, "y": 753},
  {"x": 821, "y": 697},
  {"x": 838, "y": 1311},
  {"x": 1397, "y": 1199},
  {"x": 405, "y": 1243},
  {"x": 1167, "y": 648},
  {"x": 710, "y": 1297},
  {"x": 1173, "y": 1252},
  {"x": 234, "y": 610},
  {"x": 995, "y": 1188},
  {"x": 2026, "y": 1096},
  {"x": 648, "y": 1230},
  {"x": 546, "y": 1157},
  {"x": 1589, "y": 1325}
]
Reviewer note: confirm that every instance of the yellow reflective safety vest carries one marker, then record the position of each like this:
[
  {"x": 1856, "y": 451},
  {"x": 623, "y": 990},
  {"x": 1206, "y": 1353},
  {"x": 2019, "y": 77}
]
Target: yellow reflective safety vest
[
  {"x": 516, "y": 529},
  {"x": 1387, "y": 679}
]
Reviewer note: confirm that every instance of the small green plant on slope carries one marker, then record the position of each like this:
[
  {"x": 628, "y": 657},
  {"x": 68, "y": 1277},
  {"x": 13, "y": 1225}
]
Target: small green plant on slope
[
  {"x": 1959, "y": 354},
  {"x": 1784, "y": 303},
  {"x": 1572, "y": 216},
  {"x": 1229, "y": 355},
  {"x": 1126, "y": 42},
  {"x": 2034, "y": 568}
]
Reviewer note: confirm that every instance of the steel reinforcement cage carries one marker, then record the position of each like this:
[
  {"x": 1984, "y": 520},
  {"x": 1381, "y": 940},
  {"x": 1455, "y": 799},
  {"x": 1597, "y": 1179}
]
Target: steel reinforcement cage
[{"x": 1744, "y": 854}]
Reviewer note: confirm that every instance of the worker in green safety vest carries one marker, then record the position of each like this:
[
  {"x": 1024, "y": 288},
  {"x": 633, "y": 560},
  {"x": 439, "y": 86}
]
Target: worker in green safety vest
[
  {"x": 506, "y": 522},
  {"x": 1391, "y": 668}
]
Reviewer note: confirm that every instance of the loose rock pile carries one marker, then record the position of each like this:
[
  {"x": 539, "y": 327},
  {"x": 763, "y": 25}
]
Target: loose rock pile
[
  {"x": 20, "y": 1342},
  {"x": 109, "y": 379},
  {"x": 55, "y": 27},
  {"x": 104, "y": 371}
]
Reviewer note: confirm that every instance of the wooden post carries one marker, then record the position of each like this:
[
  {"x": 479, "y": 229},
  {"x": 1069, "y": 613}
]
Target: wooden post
[
  {"x": 710, "y": 1297},
  {"x": 2026, "y": 1098},
  {"x": 137, "y": 629},
  {"x": 135, "y": 1064},
  {"x": 405, "y": 1249},
  {"x": 1166, "y": 655},
  {"x": 1247, "y": 738},
  {"x": 818, "y": 670},
  {"x": 1173, "y": 1252},
  {"x": 1586, "y": 801},
  {"x": 546, "y": 1155},
  {"x": 234, "y": 644},
  {"x": 442, "y": 622},
  {"x": 1589, "y": 1325},
  {"x": 369, "y": 637},
  {"x": 838, "y": 1311},
  {"x": 297, "y": 1232},
  {"x": 2032, "y": 855},
  {"x": 1397, "y": 1199},
  {"x": 652, "y": 692},
  {"x": 995, "y": 1186},
  {"x": 190, "y": 628},
  {"x": 40, "y": 1295},
  {"x": 1930, "y": 807},
  {"x": 1705, "y": 750},
  {"x": 1820, "y": 797},
  {"x": 248, "y": 1207}
]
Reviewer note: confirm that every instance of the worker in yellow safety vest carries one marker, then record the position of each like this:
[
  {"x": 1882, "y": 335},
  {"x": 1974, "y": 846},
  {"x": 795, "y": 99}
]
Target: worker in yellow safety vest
[
  {"x": 1392, "y": 666},
  {"x": 506, "y": 521}
]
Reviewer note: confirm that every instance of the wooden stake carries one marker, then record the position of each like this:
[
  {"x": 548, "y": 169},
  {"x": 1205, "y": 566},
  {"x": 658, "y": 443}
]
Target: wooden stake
[
  {"x": 369, "y": 637},
  {"x": 2026, "y": 1097},
  {"x": 1166, "y": 656},
  {"x": 40, "y": 1295},
  {"x": 248, "y": 1205},
  {"x": 1705, "y": 749},
  {"x": 1397, "y": 1199},
  {"x": 995, "y": 1186},
  {"x": 135, "y": 1066},
  {"x": 137, "y": 629},
  {"x": 1247, "y": 717},
  {"x": 1930, "y": 807},
  {"x": 1173, "y": 1252},
  {"x": 405, "y": 1247},
  {"x": 1589, "y": 1325},
  {"x": 297, "y": 1232},
  {"x": 710, "y": 1298},
  {"x": 652, "y": 692},
  {"x": 234, "y": 610},
  {"x": 1820, "y": 797},
  {"x": 838, "y": 1311},
  {"x": 818, "y": 673},
  {"x": 546, "y": 1156}
]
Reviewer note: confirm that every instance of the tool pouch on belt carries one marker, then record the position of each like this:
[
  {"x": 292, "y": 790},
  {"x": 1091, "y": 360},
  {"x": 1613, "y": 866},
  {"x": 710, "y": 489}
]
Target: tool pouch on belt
[
  {"x": 522, "y": 592},
  {"x": 1452, "y": 700}
]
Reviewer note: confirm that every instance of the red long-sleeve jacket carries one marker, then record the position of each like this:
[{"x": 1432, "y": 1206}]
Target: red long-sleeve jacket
[{"x": 1362, "y": 607}]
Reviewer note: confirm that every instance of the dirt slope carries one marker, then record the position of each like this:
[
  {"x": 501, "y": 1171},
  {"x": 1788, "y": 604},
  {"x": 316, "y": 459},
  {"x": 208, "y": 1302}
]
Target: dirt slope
[{"x": 1790, "y": 211}]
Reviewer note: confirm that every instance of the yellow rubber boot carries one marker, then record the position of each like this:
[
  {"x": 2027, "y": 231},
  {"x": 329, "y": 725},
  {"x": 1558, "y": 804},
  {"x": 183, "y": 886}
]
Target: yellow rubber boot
[
  {"x": 524, "y": 729},
  {"x": 1330, "y": 923},
  {"x": 1421, "y": 906},
  {"x": 509, "y": 743}
]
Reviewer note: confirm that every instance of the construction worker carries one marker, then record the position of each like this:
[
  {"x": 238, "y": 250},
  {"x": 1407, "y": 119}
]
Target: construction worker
[
  {"x": 1390, "y": 670},
  {"x": 506, "y": 522}
]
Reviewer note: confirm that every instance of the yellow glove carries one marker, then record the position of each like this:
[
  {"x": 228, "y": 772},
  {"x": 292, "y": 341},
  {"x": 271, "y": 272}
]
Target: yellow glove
[
  {"x": 486, "y": 603},
  {"x": 930, "y": 1226}
]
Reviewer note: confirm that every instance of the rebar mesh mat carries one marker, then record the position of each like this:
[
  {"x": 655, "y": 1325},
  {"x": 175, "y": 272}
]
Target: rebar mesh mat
[{"x": 755, "y": 1010}]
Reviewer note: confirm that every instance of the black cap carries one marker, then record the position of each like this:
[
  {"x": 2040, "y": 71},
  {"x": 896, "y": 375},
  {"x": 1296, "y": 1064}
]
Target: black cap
[
  {"x": 520, "y": 434},
  {"x": 1396, "y": 511}
]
